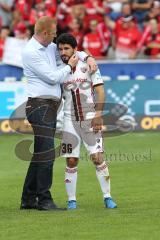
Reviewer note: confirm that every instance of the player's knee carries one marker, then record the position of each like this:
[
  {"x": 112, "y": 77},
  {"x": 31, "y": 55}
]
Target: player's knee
[
  {"x": 97, "y": 158},
  {"x": 72, "y": 162}
]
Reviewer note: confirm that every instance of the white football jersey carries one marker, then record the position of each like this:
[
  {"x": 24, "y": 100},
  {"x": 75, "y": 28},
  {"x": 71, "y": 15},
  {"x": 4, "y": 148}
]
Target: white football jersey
[{"x": 78, "y": 93}]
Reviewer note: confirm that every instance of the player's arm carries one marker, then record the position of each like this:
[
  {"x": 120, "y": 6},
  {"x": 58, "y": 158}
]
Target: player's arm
[
  {"x": 100, "y": 93},
  {"x": 98, "y": 85},
  {"x": 97, "y": 121}
]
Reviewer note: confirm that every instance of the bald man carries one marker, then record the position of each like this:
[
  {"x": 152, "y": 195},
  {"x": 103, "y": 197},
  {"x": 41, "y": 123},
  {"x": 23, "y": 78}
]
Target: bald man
[{"x": 44, "y": 93}]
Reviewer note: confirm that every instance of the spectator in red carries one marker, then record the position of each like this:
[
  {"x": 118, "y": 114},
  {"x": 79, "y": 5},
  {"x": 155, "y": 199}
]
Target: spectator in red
[
  {"x": 42, "y": 8},
  {"x": 76, "y": 29},
  {"x": 24, "y": 7},
  {"x": 104, "y": 29},
  {"x": 95, "y": 10},
  {"x": 17, "y": 18},
  {"x": 37, "y": 12},
  {"x": 155, "y": 11},
  {"x": 78, "y": 11},
  {"x": 126, "y": 38},
  {"x": 20, "y": 31},
  {"x": 64, "y": 9},
  {"x": 51, "y": 7},
  {"x": 92, "y": 42},
  {"x": 4, "y": 33},
  {"x": 150, "y": 41},
  {"x": 125, "y": 11}
]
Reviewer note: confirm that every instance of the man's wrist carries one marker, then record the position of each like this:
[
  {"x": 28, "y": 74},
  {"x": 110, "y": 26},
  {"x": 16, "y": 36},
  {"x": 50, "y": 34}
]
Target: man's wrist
[
  {"x": 70, "y": 66},
  {"x": 89, "y": 56}
]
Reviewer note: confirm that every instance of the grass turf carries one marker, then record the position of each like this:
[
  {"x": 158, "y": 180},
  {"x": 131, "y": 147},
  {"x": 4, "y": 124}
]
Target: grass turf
[{"x": 135, "y": 187}]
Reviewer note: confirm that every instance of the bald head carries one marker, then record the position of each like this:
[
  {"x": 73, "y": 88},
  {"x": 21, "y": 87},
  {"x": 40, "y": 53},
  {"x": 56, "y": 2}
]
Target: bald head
[
  {"x": 45, "y": 30},
  {"x": 44, "y": 23}
]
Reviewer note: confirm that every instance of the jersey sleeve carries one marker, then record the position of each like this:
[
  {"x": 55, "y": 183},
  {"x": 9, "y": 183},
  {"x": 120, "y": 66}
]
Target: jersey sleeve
[{"x": 97, "y": 78}]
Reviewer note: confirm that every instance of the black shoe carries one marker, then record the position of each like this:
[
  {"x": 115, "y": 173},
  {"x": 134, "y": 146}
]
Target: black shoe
[
  {"x": 49, "y": 206},
  {"x": 28, "y": 205}
]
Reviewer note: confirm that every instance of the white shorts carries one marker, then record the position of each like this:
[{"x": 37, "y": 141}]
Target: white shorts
[{"x": 76, "y": 132}]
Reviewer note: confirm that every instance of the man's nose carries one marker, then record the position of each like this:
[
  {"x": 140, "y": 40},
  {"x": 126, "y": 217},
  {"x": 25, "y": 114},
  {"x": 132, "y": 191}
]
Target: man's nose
[{"x": 63, "y": 52}]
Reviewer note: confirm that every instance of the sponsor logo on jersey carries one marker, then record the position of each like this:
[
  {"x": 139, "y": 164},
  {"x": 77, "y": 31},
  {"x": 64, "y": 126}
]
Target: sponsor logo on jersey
[{"x": 76, "y": 80}]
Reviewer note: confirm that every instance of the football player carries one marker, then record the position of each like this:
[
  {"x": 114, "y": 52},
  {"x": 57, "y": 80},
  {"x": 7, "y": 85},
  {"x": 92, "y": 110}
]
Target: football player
[{"x": 83, "y": 122}]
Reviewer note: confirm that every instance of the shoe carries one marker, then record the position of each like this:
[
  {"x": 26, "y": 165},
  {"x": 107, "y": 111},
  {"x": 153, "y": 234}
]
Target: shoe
[
  {"x": 28, "y": 205},
  {"x": 109, "y": 203},
  {"x": 49, "y": 206},
  {"x": 72, "y": 204}
]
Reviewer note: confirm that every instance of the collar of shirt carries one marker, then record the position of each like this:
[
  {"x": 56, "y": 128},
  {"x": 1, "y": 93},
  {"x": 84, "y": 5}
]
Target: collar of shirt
[{"x": 37, "y": 44}]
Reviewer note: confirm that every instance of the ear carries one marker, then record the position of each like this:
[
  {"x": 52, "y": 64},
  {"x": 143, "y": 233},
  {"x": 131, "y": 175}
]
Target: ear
[
  {"x": 75, "y": 49},
  {"x": 45, "y": 33}
]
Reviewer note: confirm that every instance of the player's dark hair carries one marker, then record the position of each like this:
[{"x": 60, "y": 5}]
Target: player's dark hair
[{"x": 67, "y": 38}]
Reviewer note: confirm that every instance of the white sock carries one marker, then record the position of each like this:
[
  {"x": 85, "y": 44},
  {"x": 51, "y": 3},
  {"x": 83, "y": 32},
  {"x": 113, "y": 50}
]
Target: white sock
[
  {"x": 103, "y": 178},
  {"x": 71, "y": 181}
]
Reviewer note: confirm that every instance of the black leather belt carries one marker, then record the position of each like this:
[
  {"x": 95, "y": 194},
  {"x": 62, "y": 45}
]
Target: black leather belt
[
  {"x": 44, "y": 100},
  {"x": 41, "y": 101}
]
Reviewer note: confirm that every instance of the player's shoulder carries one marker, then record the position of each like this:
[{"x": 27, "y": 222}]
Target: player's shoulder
[
  {"x": 82, "y": 63},
  {"x": 97, "y": 78},
  {"x": 82, "y": 66}
]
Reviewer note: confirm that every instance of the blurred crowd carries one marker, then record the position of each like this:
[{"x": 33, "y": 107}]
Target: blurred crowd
[{"x": 122, "y": 29}]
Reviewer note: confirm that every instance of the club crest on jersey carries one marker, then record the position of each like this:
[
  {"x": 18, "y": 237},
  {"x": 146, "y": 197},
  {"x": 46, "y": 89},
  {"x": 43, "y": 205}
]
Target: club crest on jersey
[{"x": 83, "y": 69}]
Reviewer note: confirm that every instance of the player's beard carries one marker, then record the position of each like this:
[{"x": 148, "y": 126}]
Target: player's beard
[{"x": 65, "y": 59}]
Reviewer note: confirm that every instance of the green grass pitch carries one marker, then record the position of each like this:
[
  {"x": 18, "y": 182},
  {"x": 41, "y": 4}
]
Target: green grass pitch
[{"x": 135, "y": 180}]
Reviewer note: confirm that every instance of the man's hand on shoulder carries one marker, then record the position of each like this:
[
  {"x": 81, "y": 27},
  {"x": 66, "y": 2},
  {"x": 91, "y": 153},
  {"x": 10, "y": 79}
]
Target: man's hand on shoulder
[{"x": 92, "y": 65}]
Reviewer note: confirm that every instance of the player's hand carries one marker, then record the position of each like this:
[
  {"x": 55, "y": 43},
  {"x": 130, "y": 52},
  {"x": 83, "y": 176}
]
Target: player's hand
[
  {"x": 92, "y": 65},
  {"x": 97, "y": 123},
  {"x": 73, "y": 60}
]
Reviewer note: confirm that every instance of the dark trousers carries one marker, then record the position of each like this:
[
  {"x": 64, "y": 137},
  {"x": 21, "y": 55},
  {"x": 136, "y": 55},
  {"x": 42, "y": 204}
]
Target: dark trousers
[{"x": 41, "y": 114}]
